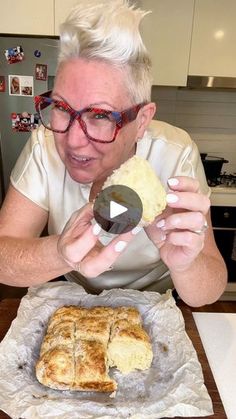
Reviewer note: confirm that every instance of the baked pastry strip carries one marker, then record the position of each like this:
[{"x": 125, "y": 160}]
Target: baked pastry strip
[
  {"x": 130, "y": 314},
  {"x": 91, "y": 367},
  {"x": 56, "y": 368},
  {"x": 71, "y": 358},
  {"x": 93, "y": 328}
]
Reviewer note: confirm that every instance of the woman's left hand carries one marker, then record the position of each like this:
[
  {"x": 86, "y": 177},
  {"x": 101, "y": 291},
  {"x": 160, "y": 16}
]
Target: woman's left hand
[{"x": 179, "y": 232}]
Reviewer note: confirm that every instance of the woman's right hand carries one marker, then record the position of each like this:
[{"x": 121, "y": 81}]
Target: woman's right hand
[{"x": 80, "y": 248}]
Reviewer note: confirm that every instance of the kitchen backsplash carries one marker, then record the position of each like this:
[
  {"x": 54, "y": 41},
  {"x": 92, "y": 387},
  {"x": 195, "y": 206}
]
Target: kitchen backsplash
[{"x": 209, "y": 116}]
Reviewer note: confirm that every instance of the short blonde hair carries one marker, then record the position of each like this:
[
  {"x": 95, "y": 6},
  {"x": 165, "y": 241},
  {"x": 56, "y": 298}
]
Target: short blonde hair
[{"x": 109, "y": 30}]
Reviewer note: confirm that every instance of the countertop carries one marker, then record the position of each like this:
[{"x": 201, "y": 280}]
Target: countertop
[
  {"x": 223, "y": 196},
  {"x": 8, "y": 311},
  {"x": 220, "y": 353}
]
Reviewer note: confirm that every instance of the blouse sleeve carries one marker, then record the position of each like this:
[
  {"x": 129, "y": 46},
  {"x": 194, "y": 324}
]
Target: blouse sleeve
[
  {"x": 29, "y": 175},
  {"x": 173, "y": 153},
  {"x": 190, "y": 164}
]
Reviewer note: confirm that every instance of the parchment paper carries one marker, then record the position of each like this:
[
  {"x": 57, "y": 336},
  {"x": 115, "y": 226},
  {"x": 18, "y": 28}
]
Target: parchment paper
[{"x": 173, "y": 386}]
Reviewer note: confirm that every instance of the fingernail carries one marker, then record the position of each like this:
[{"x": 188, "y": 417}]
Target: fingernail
[
  {"x": 173, "y": 181},
  {"x": 171, "y": 198},
  {"x": 161, "y": 241},
  {"x": 96, "y": 229},
  {"x": 162, "y": 237},
  {"x": 136, "y": 230},
  {"x": 120, "y": 246},
  {"x": 161, "y": 223}
]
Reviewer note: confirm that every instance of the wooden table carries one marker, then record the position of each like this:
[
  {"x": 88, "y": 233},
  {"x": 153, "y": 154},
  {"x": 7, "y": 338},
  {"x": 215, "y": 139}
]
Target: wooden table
[{"x": 8, "y": 311}]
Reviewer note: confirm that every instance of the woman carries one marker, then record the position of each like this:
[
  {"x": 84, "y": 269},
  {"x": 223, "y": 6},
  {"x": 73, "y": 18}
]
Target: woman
[
  {"x": 104, "y": 68},
  {"x": 15, "y": 86}
]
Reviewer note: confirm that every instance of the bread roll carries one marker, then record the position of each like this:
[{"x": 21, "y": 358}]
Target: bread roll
[
  {"x": 81, "y": 344},
  {"x": 137, "y": 174}
]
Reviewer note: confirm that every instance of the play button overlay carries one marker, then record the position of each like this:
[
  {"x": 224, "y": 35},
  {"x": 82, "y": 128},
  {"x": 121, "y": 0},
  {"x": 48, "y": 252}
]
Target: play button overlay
[{"x": 118, "y": 209}]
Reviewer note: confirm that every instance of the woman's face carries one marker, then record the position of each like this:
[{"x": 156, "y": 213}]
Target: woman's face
[{"x": 82, "y": 83}]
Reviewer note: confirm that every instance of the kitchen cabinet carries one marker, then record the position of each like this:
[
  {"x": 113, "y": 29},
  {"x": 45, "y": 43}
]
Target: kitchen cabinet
[
  {"x": 213, "y": 48},
  {"x": 188, "y": 37},
  {"x": 27, "y": 17},
  {"x": 167, "y": 35},
  {"x": 24, "y": 18},
  {"x": 62, "y": 10},
  {"x": 166, "y": 32}
]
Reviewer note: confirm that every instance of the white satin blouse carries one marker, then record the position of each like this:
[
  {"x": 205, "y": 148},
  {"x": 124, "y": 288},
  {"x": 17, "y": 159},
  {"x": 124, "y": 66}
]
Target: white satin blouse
[{"x": 40, "y": 175}]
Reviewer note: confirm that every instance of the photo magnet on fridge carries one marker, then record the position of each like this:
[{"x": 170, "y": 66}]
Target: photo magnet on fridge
[
  {"x": 2, "y": 84},
  {"x": 21, "y": 85},
  {"x": 24, "y": 122},
  {"x": 14, "y": 55},
  {"x": 41, "y": 72}
]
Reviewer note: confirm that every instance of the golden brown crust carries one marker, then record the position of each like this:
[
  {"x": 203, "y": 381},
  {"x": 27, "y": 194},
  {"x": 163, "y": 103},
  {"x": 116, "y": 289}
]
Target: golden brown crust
[
  {"x": 81, "y": 344},
  {"x": 61, "y": 334},
  {"x": 100, "y": 311},
  {"x": 66, "y": 313},
  {"x": 55, "y": 368},
  {"x": 130, "y": 331},
  {"x": 101, "y": 386},
  {"x": 127, "y": 313},
  {"x": 93, "y": 328},
  {"x": 91, "y": 368}
]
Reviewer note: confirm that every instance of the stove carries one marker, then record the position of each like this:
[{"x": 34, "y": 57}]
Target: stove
[
  {"x": 224, "y": 180},
  {"x": 223, "y": 190},
  {"x": 223, "y": 215}
]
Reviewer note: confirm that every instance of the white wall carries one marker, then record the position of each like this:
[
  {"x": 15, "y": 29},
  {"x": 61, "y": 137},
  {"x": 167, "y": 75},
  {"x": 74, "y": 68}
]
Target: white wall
[{"x": 209, "y": 116}]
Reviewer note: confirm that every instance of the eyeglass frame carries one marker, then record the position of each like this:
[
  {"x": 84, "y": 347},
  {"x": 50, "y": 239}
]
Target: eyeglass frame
[{"x": 120, "y": 118}]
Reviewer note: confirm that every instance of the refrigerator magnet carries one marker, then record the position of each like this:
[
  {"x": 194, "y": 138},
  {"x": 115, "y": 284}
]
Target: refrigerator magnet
[
  {"x": 24, "y": 122},
  {"x": 2, "y": 84},
  {"x": 41, "y": 72},
  {"x": 37, "y": 53},
  {"x": 14, "y": 55},
  {"x": 14, "y": 85},
  {"x": 21, "y": 85}
]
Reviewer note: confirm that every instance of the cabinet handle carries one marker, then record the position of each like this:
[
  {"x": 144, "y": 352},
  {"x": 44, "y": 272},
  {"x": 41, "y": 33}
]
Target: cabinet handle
[{"x": 224, "y": 228}]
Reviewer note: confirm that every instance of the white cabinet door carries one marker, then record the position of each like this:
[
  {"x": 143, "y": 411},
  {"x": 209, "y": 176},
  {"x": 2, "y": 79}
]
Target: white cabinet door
[
  {"x": 213, "y": 51},
  {"x": 62, "y": 9},
  {"x": 167, "y": 35},
  {"x": 27, "y": 17}
]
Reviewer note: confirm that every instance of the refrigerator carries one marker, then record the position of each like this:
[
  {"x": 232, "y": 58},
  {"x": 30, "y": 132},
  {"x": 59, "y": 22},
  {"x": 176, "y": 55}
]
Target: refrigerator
[{"x": 27, "y": 68}]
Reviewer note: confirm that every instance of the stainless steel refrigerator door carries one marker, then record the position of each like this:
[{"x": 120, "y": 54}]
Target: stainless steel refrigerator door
[
  {"x": 2, "y": 185},
  {"x": 12, "y": 141}
]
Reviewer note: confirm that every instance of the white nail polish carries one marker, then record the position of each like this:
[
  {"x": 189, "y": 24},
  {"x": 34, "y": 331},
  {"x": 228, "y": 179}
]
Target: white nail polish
[
  {"x": 120, "y": 246},
  {"x": 161, "y": 223},
  {"x": 136, "y": 230},
  {"x": 96, "y": 229},
  {"x": 171, "y": 198},
  {"x": 173, "y": 181}
]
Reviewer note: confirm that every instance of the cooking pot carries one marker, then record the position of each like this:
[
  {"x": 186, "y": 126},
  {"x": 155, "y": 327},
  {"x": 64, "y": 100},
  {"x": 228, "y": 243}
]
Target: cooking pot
[{"x": 212, "y": 165}]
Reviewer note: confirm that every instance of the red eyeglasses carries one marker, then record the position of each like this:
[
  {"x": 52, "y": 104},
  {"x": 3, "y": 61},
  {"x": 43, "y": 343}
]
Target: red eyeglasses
[{"x": 99, "y": 125}]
